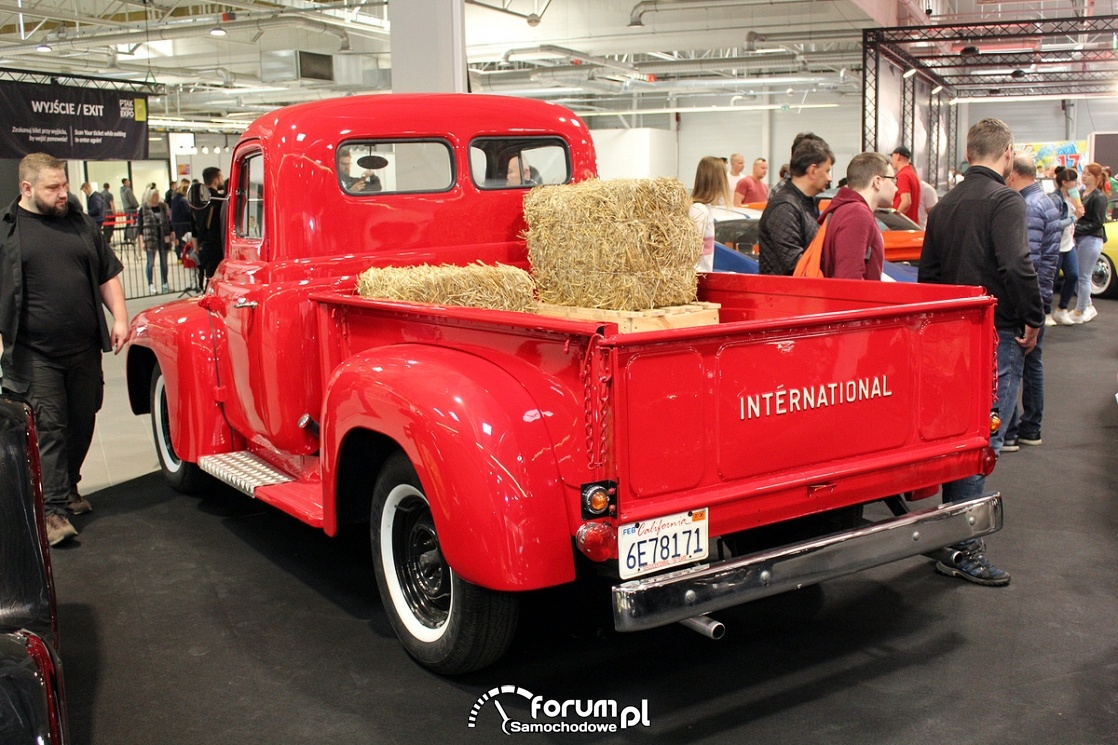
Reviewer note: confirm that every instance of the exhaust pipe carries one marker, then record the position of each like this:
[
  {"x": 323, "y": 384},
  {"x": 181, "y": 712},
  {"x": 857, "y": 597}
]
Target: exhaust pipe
[{"x": 706, "y": 626}]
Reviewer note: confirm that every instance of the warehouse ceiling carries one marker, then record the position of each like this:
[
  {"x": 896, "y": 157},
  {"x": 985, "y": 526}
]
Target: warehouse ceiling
[{"x": 231, "y": 61}]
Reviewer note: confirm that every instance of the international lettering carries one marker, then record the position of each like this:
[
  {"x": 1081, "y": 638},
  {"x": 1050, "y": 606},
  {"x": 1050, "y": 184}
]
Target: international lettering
[{"x": 807, "y": 398}]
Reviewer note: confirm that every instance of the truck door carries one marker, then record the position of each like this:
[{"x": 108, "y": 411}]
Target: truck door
[{"x": 260, "y": 384}]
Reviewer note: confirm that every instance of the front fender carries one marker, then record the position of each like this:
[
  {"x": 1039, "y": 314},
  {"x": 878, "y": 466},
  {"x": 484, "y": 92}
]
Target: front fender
[
  {"x": 481, "y": 449},
  {"x": 181, "y": 336}
]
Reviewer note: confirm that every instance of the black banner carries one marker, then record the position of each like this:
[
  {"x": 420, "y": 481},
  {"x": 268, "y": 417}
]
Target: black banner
[{"x": 77, "y": 123}]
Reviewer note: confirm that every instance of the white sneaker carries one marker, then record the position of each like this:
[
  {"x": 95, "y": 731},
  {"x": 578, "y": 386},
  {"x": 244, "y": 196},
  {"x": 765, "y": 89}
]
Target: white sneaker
[
  {"x": 1089, "y": 314},
  {"x": 1062, "y": 317},
  {"x": 1076, "y": 316},
  {"x": 151, "y": 289},
  {"x": 1049, "y": 320}
]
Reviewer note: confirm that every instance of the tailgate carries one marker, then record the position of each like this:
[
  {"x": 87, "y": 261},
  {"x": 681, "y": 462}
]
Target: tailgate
[{"x": 786, "y": 417}]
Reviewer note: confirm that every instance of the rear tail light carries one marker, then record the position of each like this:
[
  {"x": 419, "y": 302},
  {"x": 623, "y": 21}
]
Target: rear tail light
[
  {"x": 989, "y": 460},
  {"x": 598, "y": 541}
]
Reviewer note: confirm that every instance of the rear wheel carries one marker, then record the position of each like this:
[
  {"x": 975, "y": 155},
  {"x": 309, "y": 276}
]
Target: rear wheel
[
  {"x": 443, "y": 621},
  {"x": 182, "y": 476},
  {"x": 1103, "y": 281}
]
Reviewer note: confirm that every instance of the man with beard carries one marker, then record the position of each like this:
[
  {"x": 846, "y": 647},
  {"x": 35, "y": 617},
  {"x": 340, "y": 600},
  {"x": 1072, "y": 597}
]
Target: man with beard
[
  {"x": 977, "y": 235},
  {"x": 55, "y": 272}
]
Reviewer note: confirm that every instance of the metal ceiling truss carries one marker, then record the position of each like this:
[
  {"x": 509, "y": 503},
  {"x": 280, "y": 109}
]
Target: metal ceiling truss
[
  {"x": 80, "y": 81},
  {"x": 1069, "y": 57}
]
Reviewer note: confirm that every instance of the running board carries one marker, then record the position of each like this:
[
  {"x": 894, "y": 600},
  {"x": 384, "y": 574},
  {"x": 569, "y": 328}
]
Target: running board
[{"x": 243, "y": 471}]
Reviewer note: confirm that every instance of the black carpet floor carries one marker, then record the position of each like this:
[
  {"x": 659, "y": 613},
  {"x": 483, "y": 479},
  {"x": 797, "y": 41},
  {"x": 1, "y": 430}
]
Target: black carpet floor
[{"x": 190, "y": 620}]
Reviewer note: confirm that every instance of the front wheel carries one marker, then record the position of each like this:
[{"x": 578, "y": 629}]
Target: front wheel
[
  {"x": 182, "y": 476},
  {"x": 1103, "y": 281},
  {"x": 443, "y": 621}
]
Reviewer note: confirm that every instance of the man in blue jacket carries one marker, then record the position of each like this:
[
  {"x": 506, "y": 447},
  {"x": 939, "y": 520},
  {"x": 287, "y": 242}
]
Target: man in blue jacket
[
  {"x": 94, "y": 204},
  {"x": 976, "y": 236},
  {"x": 1043, "y": 222}
]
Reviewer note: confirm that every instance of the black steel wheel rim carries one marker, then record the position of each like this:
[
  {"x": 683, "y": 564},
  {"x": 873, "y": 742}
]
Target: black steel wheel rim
[{"x": 419, "y": 564}]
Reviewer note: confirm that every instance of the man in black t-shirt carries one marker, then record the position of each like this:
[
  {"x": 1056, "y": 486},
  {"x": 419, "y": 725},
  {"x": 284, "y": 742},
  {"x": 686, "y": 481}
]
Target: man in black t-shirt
[{"x": 55, "y": 273}]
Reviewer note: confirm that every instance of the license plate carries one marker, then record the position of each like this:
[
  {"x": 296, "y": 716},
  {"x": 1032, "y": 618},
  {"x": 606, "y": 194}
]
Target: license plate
[{"x": 662, "y": 542}]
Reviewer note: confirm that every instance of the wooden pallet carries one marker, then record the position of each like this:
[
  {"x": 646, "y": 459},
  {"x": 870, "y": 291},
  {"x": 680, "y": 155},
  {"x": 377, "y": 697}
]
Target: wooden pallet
[{"x": 629, "y": 321}]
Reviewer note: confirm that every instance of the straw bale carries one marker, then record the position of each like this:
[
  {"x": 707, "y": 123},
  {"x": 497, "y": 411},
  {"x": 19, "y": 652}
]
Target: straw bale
[
  {"x": 498, "y": 287},
  {"x": 622, "y": 244}
]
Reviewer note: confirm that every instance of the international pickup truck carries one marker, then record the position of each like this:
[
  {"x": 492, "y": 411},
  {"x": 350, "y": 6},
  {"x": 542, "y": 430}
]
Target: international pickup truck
[{"x": 494, "y": 453}]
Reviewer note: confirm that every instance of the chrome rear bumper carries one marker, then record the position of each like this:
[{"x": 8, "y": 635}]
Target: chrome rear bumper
[{"x": 667, "y": 598}]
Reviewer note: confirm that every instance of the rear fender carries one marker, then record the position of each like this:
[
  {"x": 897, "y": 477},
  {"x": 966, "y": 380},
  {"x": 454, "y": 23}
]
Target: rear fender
[
  {"x": 481, "y": 449},
  {"x": 182, "y": 337}
]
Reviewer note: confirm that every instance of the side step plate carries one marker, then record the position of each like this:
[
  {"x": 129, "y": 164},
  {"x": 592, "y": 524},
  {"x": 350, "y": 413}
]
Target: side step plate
[{"x": 243, "y": 471}]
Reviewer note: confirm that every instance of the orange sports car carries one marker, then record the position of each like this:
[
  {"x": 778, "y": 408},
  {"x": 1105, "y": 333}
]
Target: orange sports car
[{"x": 737, "y": 228}]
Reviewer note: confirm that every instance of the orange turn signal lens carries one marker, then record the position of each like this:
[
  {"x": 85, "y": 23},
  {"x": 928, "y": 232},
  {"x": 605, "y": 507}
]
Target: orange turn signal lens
[
  {"x": 995, "y": 422},
  {"x": 597, "y": 501}
]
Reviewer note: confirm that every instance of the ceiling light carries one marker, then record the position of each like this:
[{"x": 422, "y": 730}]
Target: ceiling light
[
  {"x": 909, "y": 73},
  {"x": 205, "y": 149},
  {"x": 44, "y": 48},
  {"x": 937, "y": 90},
  {"x": 217, "y": 31},
  {"x": 217, "y": 150}
]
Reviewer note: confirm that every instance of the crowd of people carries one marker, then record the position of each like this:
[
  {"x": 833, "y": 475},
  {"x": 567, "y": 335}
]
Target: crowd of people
[
  {"x": 996, "y": 227},
  {"x": 157, "y": 223}
]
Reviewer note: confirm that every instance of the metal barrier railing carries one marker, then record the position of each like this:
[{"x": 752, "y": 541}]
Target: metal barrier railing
[{"x": 179, "y": 279}]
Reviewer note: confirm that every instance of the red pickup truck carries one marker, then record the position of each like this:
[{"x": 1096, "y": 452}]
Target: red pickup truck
[{"x": 494, "y": 452}]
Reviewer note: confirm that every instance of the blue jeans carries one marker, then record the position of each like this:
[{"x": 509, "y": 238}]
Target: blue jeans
[
  {"x": 1026, "y": 418},
  {"x": 1069, "y": 264},
  {"x": 162, "y": 264},
  {"x": 1087, "y": 248},
  {"x": 1011, "y": 362}
]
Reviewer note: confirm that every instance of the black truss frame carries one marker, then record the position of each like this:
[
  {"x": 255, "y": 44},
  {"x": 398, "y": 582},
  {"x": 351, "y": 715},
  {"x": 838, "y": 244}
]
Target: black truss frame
[
  {"x": 80, "y": 81},
  {"x": 988, "y": 61}
]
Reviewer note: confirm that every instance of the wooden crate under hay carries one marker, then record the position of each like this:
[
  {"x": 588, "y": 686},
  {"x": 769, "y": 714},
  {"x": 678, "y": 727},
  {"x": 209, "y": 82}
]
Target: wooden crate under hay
[
  {"x": 623, "y": 244},
  {"x": 630, "y": 321},
  {"x": 498, "y": 287}
]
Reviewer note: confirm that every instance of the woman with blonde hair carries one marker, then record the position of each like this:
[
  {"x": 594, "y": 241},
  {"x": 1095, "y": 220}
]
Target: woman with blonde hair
[
  {"x": 1089, "y": 237},
  {"x": 711, "y": 188},
  {"x": 155, "y": 235}
]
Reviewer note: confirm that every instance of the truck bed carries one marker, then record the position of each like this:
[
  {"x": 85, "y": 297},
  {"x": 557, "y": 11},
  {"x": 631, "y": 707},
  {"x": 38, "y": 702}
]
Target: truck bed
[{"x": 808, "y": 395}]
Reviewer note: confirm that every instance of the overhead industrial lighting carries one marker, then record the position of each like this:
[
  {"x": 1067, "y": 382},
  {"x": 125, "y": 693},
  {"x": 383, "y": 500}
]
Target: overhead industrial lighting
[
  {"x": 707, "y": 109},
  {"x": 44, "y": 48},
  {"x": 217, "y": 31},
  {"x": 937, "y": 90},
  {"x": 909, "y": 73}
]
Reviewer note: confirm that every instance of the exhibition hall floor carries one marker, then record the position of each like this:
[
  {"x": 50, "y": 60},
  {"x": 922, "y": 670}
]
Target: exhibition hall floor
[{"x": 213, "y": 619}]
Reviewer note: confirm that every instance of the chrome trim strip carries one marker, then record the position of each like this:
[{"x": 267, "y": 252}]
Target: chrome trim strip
[{"x": 668, "y": 598}]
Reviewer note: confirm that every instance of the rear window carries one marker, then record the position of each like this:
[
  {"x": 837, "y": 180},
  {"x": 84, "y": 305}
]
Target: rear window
[
  {"x": 395, "y": 167},
  {"x": 519, "y": 162}
]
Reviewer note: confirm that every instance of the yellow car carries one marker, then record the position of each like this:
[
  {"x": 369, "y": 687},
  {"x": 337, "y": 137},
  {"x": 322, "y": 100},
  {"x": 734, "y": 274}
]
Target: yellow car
[{"x": 1104, "y": 282}]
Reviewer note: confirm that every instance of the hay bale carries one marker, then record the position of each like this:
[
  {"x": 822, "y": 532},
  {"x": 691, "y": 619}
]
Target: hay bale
[
  {"x": 478, "y": 285},
  {"x": 622, "y": 244}
]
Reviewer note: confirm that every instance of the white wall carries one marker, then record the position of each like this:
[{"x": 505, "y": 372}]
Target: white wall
[
  {"x": 769, "y": 134},
  {"x": 635, "y": 153}
]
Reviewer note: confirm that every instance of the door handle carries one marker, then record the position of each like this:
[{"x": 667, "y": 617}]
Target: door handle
[{"x": 242, "y": 303}]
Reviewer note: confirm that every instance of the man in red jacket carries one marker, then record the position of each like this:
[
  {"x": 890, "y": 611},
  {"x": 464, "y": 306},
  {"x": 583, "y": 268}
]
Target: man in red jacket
[
  {"x": 907, "y": 199},
  {"x": 853, "y": 247}
]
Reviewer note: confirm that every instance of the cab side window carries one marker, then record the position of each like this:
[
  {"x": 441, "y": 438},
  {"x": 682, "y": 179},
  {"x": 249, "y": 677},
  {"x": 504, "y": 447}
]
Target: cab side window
[
  {"x": 519, "y": 162},
  {"x": 384, "y": 167},
  {"x": 250, "y": 198}
]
